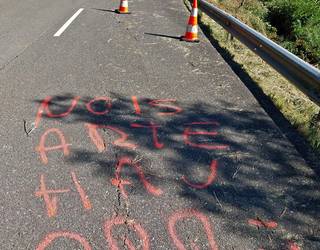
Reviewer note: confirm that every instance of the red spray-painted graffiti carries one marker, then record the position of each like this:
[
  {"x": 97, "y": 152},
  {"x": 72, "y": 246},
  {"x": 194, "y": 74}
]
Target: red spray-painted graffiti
[
  {"x": 188, "y": 132},
  {"x": 42, "y": 149},
  {"x": 164, "y": 108},
  {"x": 260, "y": 223},
  {"x": 154, "y": 129},
  {"x": 142, "y": 234},
  {"x": 158, "y": 103},
  {"x": 161, "y": 103},
  {"x": 51, "y": 203},
  {"x": 108, "y": 102},
  {"x": 169, "y": 109},
  {"x": 120, "y": 183},
  {"x": 98, "y": 141},
  {"x": 136, "y": 105},
  {"x": 48, "y": 240},
  {"x": 84, "y": 198},
  {"x": 122, "y": 142},
  {"x": 44, "y": 106},
  {"x": 212, "y": 176},
  {"x": 293, "y": 246},
  {"x": 185, "y": 214}
]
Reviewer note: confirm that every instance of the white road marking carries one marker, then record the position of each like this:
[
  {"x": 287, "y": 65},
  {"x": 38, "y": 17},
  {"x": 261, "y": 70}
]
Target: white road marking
[{"x": 65, "y": 26}]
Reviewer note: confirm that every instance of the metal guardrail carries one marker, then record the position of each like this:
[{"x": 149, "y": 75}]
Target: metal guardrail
[{"x": 303, "y": 75}]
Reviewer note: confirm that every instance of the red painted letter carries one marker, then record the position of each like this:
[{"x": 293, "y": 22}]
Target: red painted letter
[
  {"x": 84, "y": 197},
  {"x": 143, "y": 235},
  {"x": 107, "y": 100},
  {"x": 293, "y": 246},
  {"x": 136, "y": 105},
  {"x": 50, "y": 203},
  {"x": 44, "y": 106},
  {"x": 42, "y": 149},
  {"x": 188, "y": 213},
  {"x": 212, "y": 176},
  {"x": 55, "y": 235},
  {"x": 118, "y": 182},
  {"x": 260, "y": 223},
  {"x": 162, "y": 104},
  {"x": 188, "y": 132},
  {"x": 154, "y": 129},
  {"x": 98, "y": 141}
]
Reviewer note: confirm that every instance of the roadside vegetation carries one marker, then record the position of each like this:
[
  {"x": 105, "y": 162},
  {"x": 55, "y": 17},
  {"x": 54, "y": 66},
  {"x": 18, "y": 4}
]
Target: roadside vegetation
[{"x": 295, "y": 25}]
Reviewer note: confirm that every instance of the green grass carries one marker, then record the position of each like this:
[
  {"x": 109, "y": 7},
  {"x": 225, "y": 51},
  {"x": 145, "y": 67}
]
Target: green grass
[
  {"x": 298, "y": 26},
  {"x": 295, "y": 106}
]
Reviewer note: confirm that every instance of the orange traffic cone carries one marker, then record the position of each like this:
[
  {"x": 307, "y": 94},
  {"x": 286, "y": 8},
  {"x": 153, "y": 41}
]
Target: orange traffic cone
[
  {"x": 123, "y": 8},
  {"x": 192, "y": 28}
]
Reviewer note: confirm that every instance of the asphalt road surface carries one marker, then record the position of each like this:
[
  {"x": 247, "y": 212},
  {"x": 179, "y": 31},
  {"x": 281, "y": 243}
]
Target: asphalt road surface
[{"x": 116, "y": 135}]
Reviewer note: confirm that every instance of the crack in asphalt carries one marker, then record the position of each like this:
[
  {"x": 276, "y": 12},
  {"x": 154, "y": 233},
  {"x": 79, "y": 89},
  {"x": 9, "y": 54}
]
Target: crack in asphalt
[
  {"x": 122, "y": 209},
  {"x": 22, "y": 51}
]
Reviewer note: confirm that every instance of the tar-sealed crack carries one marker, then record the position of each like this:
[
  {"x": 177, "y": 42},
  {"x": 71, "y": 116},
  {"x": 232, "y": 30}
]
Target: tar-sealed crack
[
  {"x": 122, "y": 210},
  {"x": 118, "y": 206}
]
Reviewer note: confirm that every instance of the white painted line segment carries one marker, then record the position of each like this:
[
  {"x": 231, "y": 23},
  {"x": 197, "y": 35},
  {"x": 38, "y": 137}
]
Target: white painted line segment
[{"x": 65, "y": 26}]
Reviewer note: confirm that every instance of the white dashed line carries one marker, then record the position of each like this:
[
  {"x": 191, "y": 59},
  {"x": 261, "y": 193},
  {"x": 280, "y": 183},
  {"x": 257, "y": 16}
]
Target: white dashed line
[{"x": 65, "y": 26}]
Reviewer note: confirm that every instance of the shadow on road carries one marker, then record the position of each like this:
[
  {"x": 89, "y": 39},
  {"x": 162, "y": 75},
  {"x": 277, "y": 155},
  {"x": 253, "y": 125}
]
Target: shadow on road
[
  {"x": 104, "y": 10},
  {"x": 259, "y": 176},
  {"x": 162, "y": 35}
]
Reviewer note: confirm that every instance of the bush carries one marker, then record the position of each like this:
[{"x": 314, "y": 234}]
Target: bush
[{"x": 298, "y": 26}]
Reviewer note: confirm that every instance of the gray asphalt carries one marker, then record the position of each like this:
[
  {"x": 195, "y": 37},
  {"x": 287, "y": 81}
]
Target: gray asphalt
[{"x": 260, "y": 176}]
